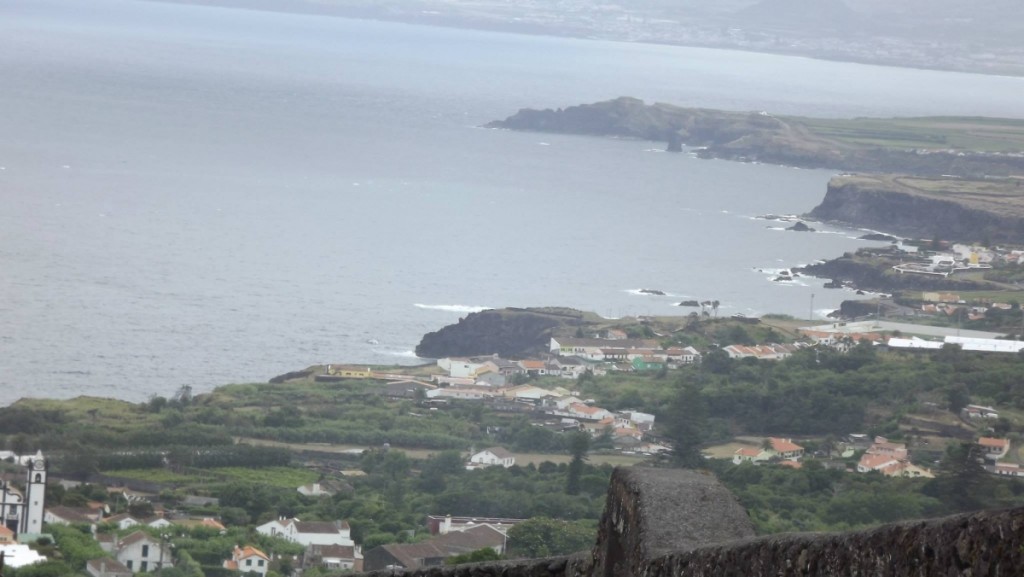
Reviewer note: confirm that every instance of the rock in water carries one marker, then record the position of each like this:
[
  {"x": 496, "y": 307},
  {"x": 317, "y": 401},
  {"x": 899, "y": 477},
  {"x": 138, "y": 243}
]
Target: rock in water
[{"x": 800, "y": 227}]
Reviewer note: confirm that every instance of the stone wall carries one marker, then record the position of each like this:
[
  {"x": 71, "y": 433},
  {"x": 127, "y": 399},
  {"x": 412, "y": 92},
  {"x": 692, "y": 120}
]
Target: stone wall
[{"x": 674, "y": 523}]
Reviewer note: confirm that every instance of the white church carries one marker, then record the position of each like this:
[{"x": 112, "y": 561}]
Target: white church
[{"x": 22, "y": 513}]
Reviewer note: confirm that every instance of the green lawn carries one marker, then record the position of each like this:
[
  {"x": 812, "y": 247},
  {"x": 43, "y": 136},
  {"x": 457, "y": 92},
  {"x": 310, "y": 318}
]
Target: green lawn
[{"x": 285, "y": 477}]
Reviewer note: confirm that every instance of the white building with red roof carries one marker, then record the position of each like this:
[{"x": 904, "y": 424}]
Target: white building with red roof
[
  {"x": 785, "y": 449},
  {"x": 248, "y": 559},
  {"x": 749, "y": 455},
  {"x": 993, "y": 448},
  {"x": 883, "y": 446},
  {"x": 774, "y": 448},
  {"x": 870, "y": 462}
]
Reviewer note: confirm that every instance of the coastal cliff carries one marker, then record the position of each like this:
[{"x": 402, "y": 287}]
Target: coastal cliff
[
  {"x": 988, "y": 211},
  {"x": 925, "y": 146},
  {"x": 508, "y": 332}
]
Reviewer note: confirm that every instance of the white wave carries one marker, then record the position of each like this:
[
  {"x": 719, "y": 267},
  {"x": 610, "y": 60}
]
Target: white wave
[
  {"x": 452, "y": 308},
  {"x": 402, "y": 354},
  {"x": 640, "y": 293}
]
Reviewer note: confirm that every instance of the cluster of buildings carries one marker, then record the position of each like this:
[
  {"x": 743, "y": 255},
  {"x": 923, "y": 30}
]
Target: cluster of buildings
[
  {"x": 880, "y": 455},
  {"x": 890, "y": 459},
  {"x": 555, "y": 408},
  {"x": 957, "y": 258},
  {"x": 328, "y": 545},
  {"x": 950, "y": 305},
  {"x": 451, "y": 536},
  {"x": 772, "y": 450}
]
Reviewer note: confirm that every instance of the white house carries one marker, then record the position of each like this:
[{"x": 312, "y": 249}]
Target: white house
[
  {"x": 592, "y": 349},
  {"x": 993, "y": 448},
  {"x": 749, "y": 455},
  {"x": 158, "y": 523},
  {"x": 1007, "y": 469},
  {"x": 309, "y": 532},
  {"x": 978, "y": 412},
  {"x": 141, "y": 552},
  {"x": 315, "y": 490},
  {"x": 493, "y": 456},
  {"x": 460, "y": 368},
  {"x": 586, "y": 412},
  {"x": 527, "y": 392},
  {"x": 466, "y": 393},
  {"x": 248, "y": 559},
  {"x": 869, "y": 462},
  {"x": 777, "y": 448},
  {"x": 683, "y": 355},
  {"x": 123, "y": 521},
  {"x": 61, "y": 515}
]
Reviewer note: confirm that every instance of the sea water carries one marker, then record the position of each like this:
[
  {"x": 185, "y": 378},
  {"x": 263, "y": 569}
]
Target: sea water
[{"x": 194, "y": 196}]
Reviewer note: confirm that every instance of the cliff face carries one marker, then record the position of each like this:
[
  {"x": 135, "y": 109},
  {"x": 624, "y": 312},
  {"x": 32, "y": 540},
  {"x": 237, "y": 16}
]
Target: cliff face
[
  {"x": 889, "y": 204},
  {"x": 506, "y": 332}
]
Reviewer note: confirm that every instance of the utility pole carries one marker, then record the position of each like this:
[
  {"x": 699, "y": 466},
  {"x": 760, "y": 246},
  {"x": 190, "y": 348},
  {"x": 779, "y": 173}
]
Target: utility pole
[{"x": 811, "y": 315}]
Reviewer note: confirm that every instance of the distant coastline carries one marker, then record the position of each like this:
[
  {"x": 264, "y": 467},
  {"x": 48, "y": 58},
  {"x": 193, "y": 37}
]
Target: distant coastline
[
  {"x": 966, "y": 182},
  {"x": 718, "y": 31}
]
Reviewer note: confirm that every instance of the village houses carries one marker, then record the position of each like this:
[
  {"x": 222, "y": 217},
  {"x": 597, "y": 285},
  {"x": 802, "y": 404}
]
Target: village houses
[{"x": 774, "y": 448}]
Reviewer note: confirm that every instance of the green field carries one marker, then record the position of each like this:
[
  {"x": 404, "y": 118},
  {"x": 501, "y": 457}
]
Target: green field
[{"x": 957, "y": 133}]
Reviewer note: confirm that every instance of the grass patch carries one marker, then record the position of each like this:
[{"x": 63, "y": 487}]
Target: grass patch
[
  {"x": 957, "y": 133},
  {"x": 284, "y": 477},
  {"x": 153, "y": 475}
]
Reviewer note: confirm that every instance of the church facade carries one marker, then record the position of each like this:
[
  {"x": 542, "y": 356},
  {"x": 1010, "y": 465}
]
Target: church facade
[{"x": 22, "y": 511}]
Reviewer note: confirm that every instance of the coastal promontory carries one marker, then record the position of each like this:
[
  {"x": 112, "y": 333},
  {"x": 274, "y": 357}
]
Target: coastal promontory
[
  {"x": 512, "y": 332},
  {"x": 962, "y": 146},
  {"x": 972, "y": 210}
]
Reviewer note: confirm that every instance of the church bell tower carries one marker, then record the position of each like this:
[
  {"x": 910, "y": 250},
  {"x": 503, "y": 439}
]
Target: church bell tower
[{"x": 35, "y": 494}]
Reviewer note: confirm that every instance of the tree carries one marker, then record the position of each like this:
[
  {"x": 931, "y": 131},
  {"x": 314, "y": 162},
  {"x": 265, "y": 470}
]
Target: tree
[
  {"x": 141, "y": 509},
  {"x": 961, "y": 479},
  {"x": 686, "y": 422},
  {"x": 545, "y": 537},
  {"x": 717, "y": 361},
  {"x": 579, "y": 444},
  {"x": 437, "y": 468},
  {"x": 958, "y": 397}
]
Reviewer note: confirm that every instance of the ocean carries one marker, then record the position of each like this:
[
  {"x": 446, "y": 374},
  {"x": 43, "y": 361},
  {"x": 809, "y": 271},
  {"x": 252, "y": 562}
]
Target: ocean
[{"x": 192, "y": 195}]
